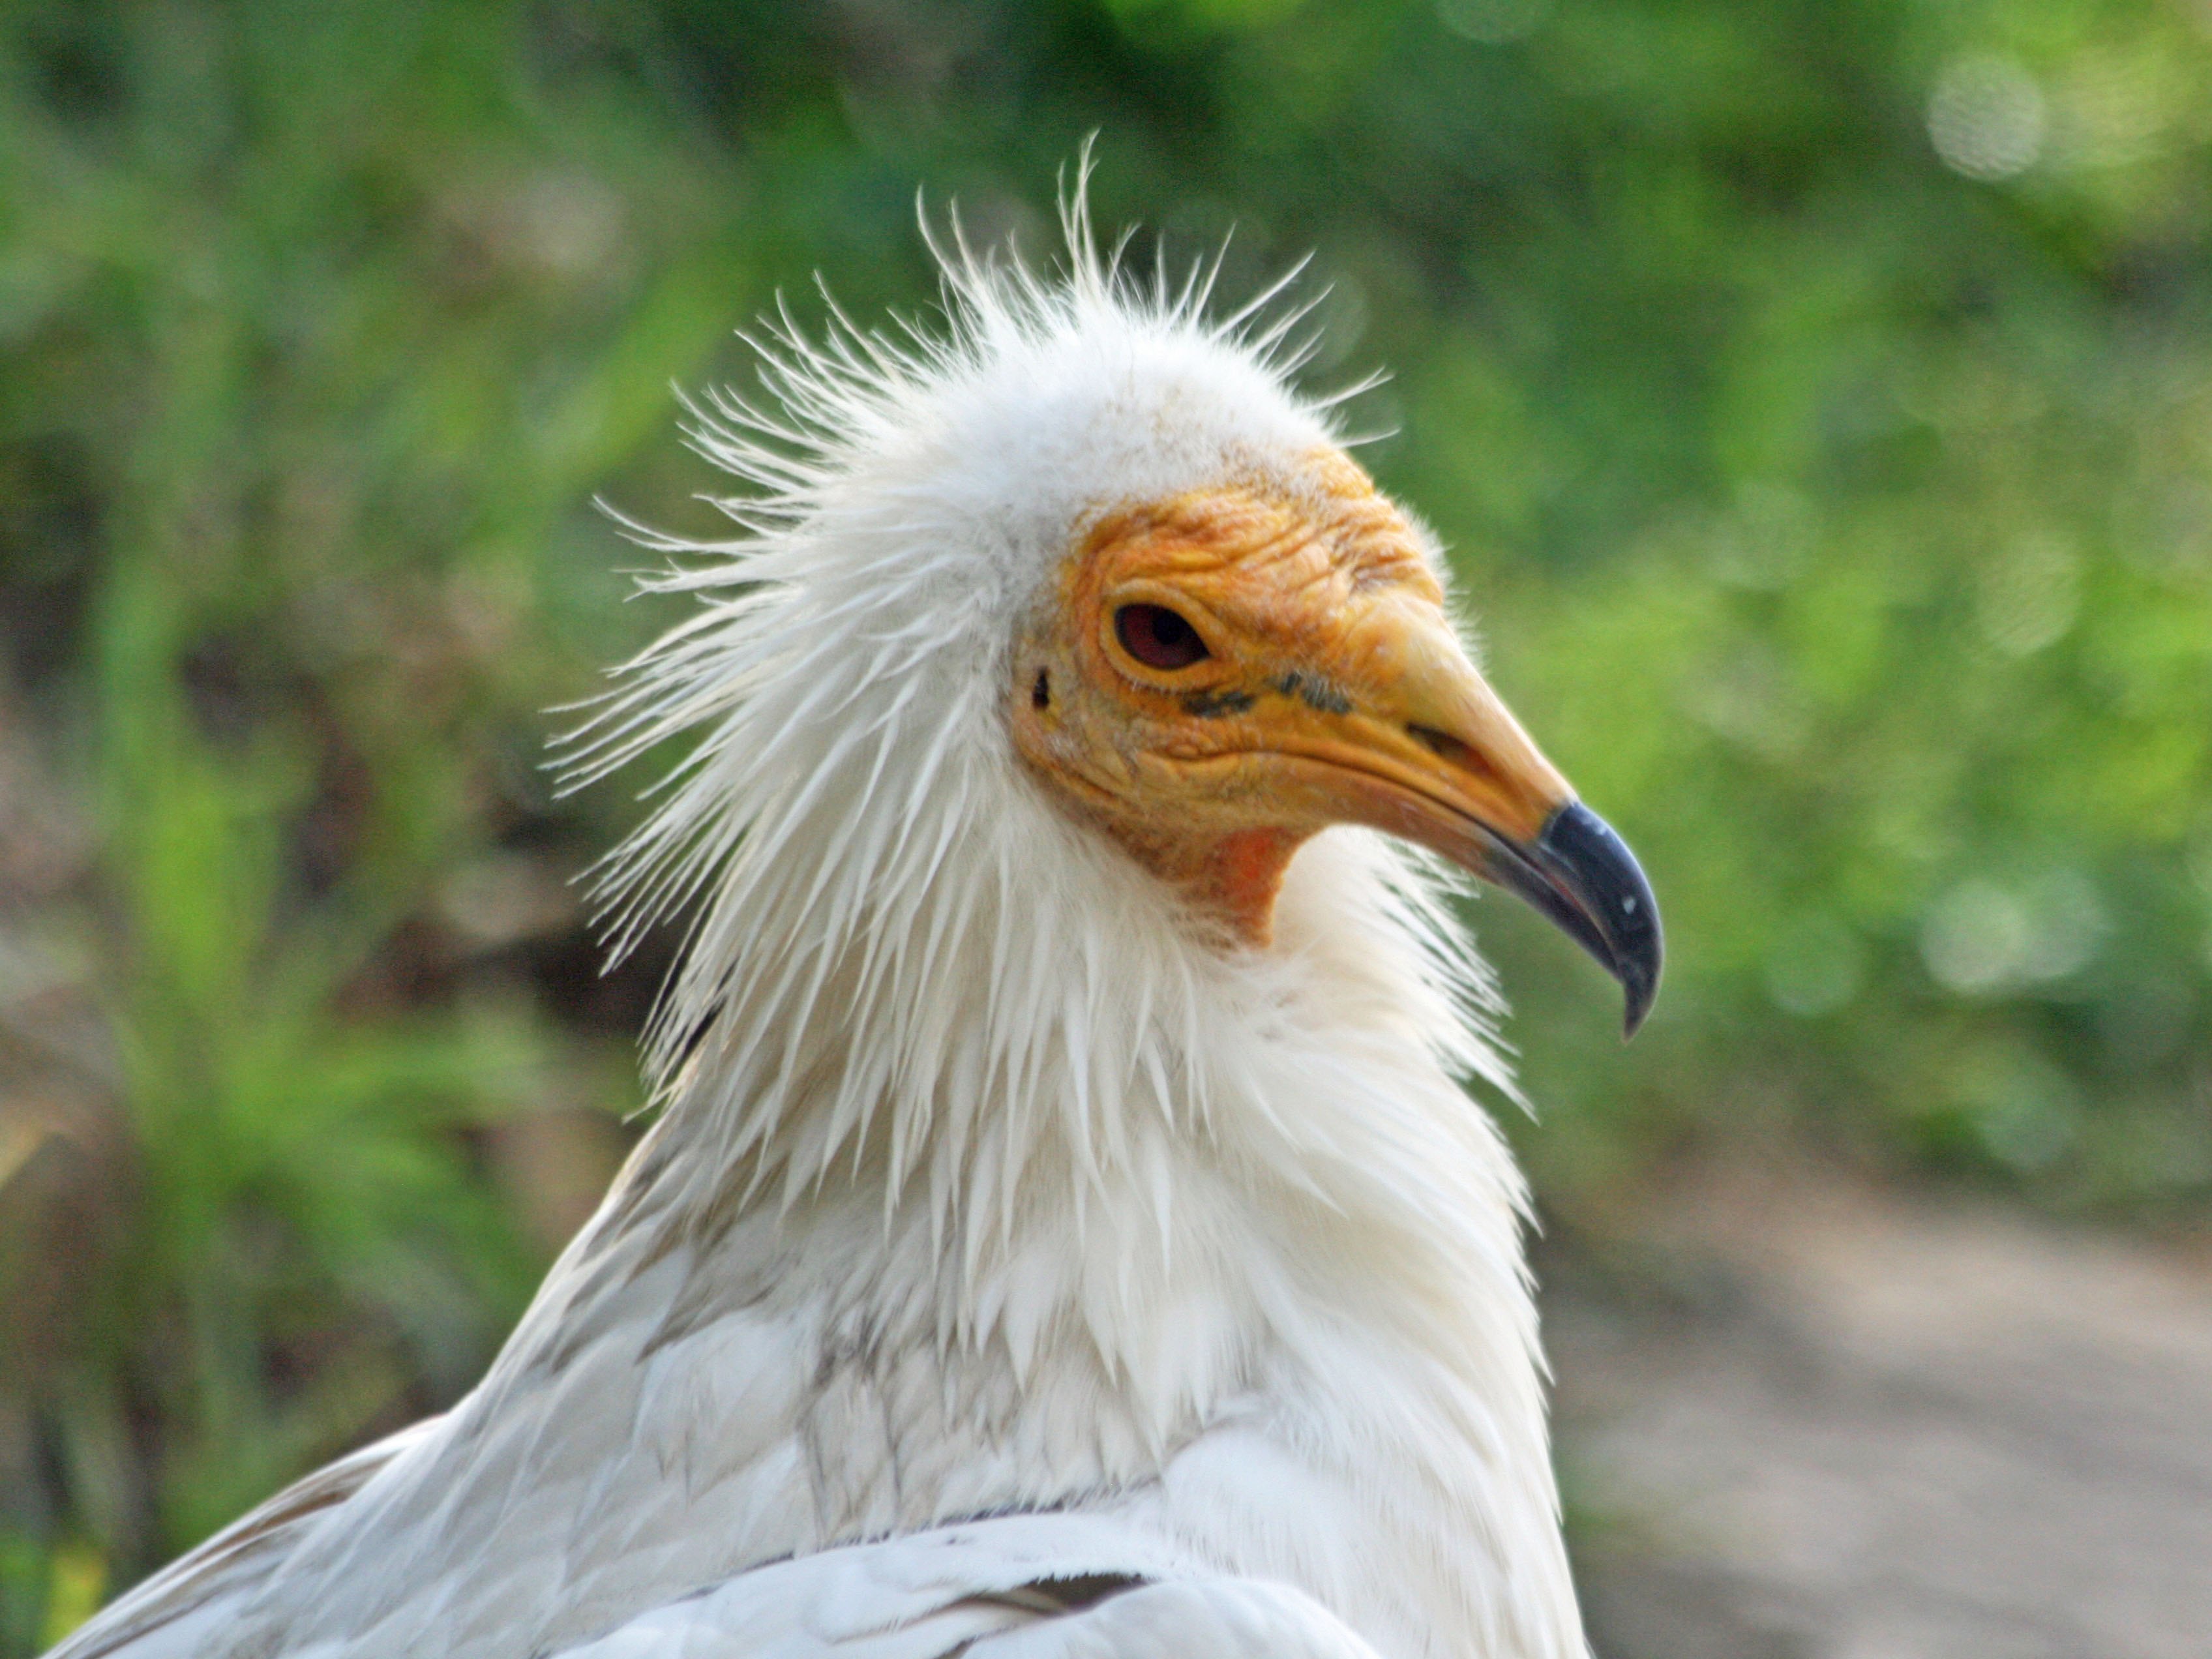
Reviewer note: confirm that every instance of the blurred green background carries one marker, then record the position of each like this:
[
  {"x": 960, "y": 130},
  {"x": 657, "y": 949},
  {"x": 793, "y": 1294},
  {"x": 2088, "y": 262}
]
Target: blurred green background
[{"x": 1816, "y": 395}]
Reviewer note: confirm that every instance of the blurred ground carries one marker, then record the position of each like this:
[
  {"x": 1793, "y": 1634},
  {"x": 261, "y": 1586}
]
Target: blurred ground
[{"x": 1813, "y": 1424}]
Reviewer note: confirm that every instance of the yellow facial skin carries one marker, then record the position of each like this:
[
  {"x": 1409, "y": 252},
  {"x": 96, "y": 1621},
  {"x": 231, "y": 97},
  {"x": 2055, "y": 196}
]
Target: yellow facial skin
[{"x": 1333, "y": 689}]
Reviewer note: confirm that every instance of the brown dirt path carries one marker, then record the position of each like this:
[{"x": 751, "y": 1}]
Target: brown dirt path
[{"x": 1840, "y": 1428}]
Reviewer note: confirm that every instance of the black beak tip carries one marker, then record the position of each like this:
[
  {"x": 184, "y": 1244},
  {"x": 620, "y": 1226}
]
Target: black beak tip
[
  {"x": 1638, "y": 992},
  {"x": 1621, "y": 919}
]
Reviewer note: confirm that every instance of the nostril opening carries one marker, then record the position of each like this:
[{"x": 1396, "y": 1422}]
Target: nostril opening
[
  {"x": 1040, "y": 693},
  {"x": 1440, "y": 744},
  {"x": 1448, "y": 748}
]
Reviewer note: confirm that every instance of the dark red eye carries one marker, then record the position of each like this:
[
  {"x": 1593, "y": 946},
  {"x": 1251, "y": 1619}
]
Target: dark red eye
[{"x": 1158, "y": 638}]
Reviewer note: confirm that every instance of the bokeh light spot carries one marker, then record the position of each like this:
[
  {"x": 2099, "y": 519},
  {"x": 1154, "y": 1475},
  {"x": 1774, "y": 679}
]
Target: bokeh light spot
[
  {"x": 1987, "y": 117},
  {"x": 1494, "y": 22},
  {"x": 2028, "y": 598},
  {"x": 1815, "y": 968},
  {"x": 1983, "y": 939}
]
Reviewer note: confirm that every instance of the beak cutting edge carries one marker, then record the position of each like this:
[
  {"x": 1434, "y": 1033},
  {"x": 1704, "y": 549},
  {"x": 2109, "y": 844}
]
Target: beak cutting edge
[{"x": 1582, "y": 876}]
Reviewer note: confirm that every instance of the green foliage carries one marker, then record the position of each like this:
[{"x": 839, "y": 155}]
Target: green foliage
[{"x": 1817, "y": 397}]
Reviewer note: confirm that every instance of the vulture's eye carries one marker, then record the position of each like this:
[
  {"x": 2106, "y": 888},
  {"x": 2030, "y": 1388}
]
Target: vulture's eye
[{"x": 1156, "y": 637}]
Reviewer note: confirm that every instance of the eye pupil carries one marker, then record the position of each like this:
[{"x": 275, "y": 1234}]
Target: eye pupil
[{"x": 1157, "y": 637}]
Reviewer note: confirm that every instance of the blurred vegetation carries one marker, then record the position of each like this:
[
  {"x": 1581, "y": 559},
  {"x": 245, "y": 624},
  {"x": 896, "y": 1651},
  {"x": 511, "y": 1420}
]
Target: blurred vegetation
[{"x": 1817, "y": 397}]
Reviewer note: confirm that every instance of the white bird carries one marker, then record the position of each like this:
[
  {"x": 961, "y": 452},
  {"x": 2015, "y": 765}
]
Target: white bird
[{"x": 1065, "y": 1231}]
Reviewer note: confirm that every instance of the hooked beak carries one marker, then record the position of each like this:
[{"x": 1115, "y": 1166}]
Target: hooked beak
[
  {"x": 1428, "y": 751},
  {"x": 1581, "y": 875}
]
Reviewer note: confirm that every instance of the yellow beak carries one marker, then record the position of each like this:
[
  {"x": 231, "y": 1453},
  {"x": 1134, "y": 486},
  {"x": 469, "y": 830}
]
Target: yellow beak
[{"x": 1393, "y": 728}]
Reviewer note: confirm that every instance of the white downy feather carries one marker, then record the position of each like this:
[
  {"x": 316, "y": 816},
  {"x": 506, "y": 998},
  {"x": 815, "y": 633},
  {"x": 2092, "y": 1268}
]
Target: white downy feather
[{"x": 982, "y": 1185}]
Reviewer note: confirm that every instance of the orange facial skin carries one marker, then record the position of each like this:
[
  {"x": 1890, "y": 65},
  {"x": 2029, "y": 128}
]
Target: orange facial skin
[{"x": 1331, "y": 688}]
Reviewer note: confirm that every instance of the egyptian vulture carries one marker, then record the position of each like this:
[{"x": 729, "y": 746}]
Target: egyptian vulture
[{"x": 1065, "y": 1231}]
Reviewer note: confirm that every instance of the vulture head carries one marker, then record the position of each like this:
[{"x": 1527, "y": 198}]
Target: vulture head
[{"x": 1214, "y": 675}]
